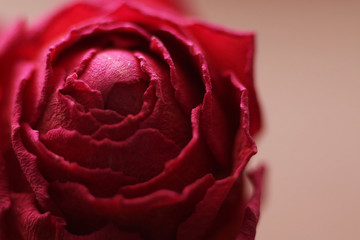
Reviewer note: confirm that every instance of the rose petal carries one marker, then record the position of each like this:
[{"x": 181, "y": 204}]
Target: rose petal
[
  {"x": 229, "y": 51},
  {"x": 64, "y": 112},
  {"x": 245, "y": 146},
  {"x": 13, "y": 175},
  {"x": 126, "y": 98},
  {"x": 130, "y": 124},
  {"x": 102, "y": 182},
  {"x": 58, "y": 24},
  {"x": 108, "y": 232},
  {"x": 252, "y": 210},
  {"x": 201, "y": 221},
  {"x": 166, "y": 6},
  {"x": 77, "y": 37},
  {"x": 142, "y": 155},
  {"x": 27, "y": 160},
  {"x": 5, "y": 201},
  {"x": 158, "y": 73},
  {"x": 9, "y": 41},
  {"x": 162, "y": 208},
  {"x": 82, "y": 93},
  {"x": 226, "y": 129},
  {"x": 109, "y": 67},
  {"x": 75, "y": 59},
  {"x": 28, "y": 223},
  {"x": 142, "y": 15},
  {"x": 215, "y": 127},
  {"x": 52, "y": 74},
  {"x": 222, "y": 214},
  {"x": 167, "y": 115},
  {"x": 194, "y": 93},
  {"x": 170, "y": 121},
  {"x": 177, "y": 174},
  {"x": 106, "y": 116},
  {"x": 239, "y": 221}
]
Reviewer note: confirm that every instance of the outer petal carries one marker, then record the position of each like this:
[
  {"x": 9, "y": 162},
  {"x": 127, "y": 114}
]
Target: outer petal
[
  {"x": 145, "y": 214},
  {"x": 4, "y": 200},
  {"x": 28, "y": 223},
  {"x": 245, "y": 146},
  {"x": 238, "y": 220},
  {"x": 58, "y": 24},
  {"x": 222, "y": 214},
  {"x": 199, "y": 224},
  {"x": 252, "y": 210},
  {"x": 8, "y": 56},
  {"x": 151, "y": 18},
  {"x": 230, "y": 51},
  {"x": 109, "y": 232},
  {"x": 165, "y": 5},
  {"x": 175, "y": 4},
  {"x": 225, "y": 125}
]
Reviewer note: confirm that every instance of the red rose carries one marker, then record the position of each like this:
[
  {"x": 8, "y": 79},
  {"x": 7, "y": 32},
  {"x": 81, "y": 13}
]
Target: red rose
[{"x": 127, "y": 121}]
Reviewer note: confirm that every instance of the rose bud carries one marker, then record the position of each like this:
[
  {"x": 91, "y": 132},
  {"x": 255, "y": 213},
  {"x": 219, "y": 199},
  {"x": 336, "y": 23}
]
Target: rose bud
[{"x": 127, "y": 120}]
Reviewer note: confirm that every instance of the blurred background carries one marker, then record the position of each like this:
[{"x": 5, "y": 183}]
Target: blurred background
[{"x": 308, "y": 79}]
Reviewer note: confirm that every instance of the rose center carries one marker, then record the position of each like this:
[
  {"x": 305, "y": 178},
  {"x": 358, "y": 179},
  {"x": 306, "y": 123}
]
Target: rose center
[{"x": 118, "y": 77}]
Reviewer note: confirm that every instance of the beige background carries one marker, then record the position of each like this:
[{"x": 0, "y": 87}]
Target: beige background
[{"x": 308, "y": 76}]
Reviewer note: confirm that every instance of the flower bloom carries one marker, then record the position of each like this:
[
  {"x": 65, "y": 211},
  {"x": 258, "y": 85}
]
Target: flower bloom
[{"x": 127, "y": 120}]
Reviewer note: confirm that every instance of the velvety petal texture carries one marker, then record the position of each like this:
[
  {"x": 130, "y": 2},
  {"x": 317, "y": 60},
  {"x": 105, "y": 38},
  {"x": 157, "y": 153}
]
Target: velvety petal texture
[{"x": 126, "y": 120}]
